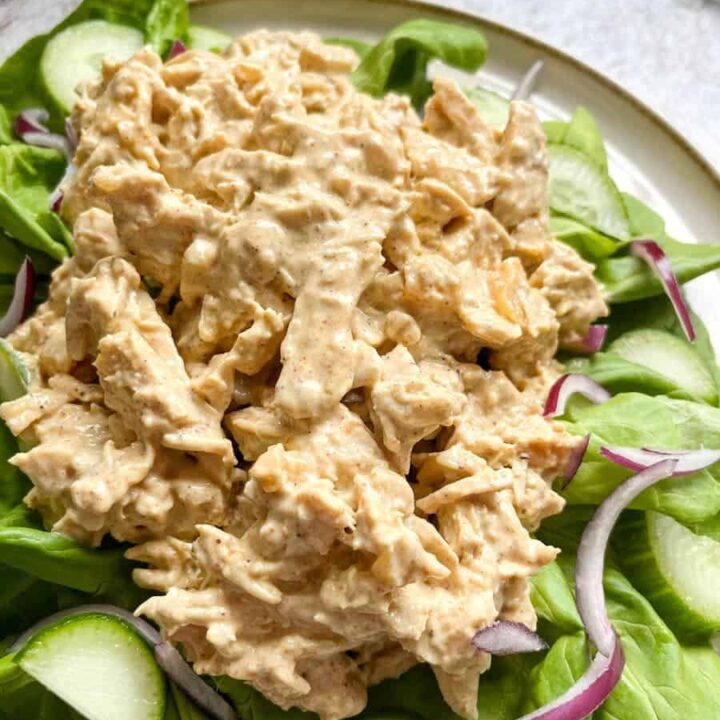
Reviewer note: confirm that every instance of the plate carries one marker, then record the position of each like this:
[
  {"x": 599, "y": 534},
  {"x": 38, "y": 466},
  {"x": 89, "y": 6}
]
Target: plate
[{"x": 647, "y": 157}]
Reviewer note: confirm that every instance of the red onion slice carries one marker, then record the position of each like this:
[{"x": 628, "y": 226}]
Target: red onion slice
[
  {"x": 21, "y": 300},
  {"x": 576, "y": 458},
  {"x": 591, "y": 553},
  {"x": 177, "y": 48},
  {"x": 655, "y": 257},
  {"x": 592, "y": 342},
  {"x": 568, "y": 385},
  {"x": 71, "y": 135},
  {"x": 528, "y": 81},
  {"x": 31, "y": 120},
  {"x": 52, "y": 141},
  {"x": 57, "y": 195},
  {"x": 169, "y": 659},
  {"x": 606, "y": 669},
  {"x": 504, "y": 637},
  {"x": 589, "y": 692},
  {"x": 636, "y": 459}
]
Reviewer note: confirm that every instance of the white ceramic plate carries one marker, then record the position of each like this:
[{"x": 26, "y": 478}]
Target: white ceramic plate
[{"x": 647, "y": 157}]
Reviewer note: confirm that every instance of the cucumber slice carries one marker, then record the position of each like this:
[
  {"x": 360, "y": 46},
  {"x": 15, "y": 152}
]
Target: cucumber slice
[
  {"x": 14, "y": 377},
  {"x": 99, "y": 666},
  {"x": 76, "y": 54},
  {"x": 669, "y": 356},
  {"x": 677, "y": 571},
  {"x": 494, "y": 108},
  {"x": 202, "y": 37},
  {"x": 580, "y": 189}
]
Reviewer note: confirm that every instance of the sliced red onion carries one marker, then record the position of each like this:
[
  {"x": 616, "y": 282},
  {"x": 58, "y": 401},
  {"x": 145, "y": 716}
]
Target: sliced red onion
[
  {"x": 591, "y": 553},
  {"x": 605, "y": 671},
  {"x": 172, "y": 662},
  {"x": 593, "y": 341},
  {"x": 504, "y": 637},
  {"x": 177, "y": 48},
  {"x": 31, "y": 120},
  {"x": 528, "y": 81},
  {"x": 21, "y": 300},
  {"x": 57, "y": 195},
  {"x": 166, "y": 655},
  {"x": 655, "y": 257},
  {"x": 568, "y": 385},
  {"x": 636, "y": 459},
  {"x": 70, "y": 134},
  {"x": 576, "y": 458},
  {"x": 48, "y": 140},
  {"x": 589, "y": 692}
]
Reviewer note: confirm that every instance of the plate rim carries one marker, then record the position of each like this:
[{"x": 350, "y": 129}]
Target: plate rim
[{"x": 466, "y": 16}]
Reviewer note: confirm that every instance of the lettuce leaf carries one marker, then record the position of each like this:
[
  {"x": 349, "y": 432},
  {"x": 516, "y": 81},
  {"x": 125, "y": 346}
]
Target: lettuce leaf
[
  {"x": 398, "y": 63},
  {"x": 662, "y": 679},
  {"x": 27, "y": 177},
  {"x": 636, "y": 420},
  {"x": 628, "y": 278},
  {"x": 583, "y": 133},
  {"x": 591, "y": 244}
]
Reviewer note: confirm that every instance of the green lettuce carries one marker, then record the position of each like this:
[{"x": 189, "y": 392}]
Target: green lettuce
[
  {"x": 628, "y": 278},
  {"x": 583, "y": 134},
  {"x": 398, "y": 63},
  {"x": 27, "y": 177},
  {"x": 662, "y": 680},
  {"x": 635, "y": 420}
]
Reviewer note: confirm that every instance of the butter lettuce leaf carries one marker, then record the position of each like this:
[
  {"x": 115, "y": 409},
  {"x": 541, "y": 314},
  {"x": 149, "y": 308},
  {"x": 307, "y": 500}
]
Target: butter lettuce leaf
[
  {"x": 628, "y": 278},
  {"x": 27, "y": 177},
  {"x": 398, "y": 63},
  {"x": 662, "y": 680},
  {"x": 583, "y": 133},
  {"x": 636, "y": 420}
]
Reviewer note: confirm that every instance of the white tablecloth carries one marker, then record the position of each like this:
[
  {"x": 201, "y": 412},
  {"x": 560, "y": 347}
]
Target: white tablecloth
[{"x": 667, "y": 52}]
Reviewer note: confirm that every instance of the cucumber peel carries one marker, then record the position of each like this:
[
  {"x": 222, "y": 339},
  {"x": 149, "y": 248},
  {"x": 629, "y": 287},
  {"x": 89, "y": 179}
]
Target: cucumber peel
[
  {"x": 99, "y": 666},
  {"x": 75, "y": 55},
  {"x": 677, "y": 571}
]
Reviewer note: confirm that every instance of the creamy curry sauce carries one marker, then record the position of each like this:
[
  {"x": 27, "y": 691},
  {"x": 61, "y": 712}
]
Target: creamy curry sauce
[{"x": 260, "y": 366}]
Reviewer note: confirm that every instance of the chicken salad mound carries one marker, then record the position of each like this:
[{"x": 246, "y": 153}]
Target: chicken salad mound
[{"x": 299, "y": 360}]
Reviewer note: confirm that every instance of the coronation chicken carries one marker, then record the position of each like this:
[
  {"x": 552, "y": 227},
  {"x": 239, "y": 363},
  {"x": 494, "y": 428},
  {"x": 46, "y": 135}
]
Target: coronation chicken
[{"x": 299, "y": 359}]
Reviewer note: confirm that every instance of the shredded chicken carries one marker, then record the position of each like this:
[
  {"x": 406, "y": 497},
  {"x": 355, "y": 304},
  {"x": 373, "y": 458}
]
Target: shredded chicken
[{"x": 299, "y": 359}]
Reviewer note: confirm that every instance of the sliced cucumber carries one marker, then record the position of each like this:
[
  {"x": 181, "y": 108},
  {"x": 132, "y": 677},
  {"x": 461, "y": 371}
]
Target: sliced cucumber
[
  {"x": 494, "y": 108},
  {"x": 99, "y": 666},
  {"x": 677, "y": 570},
  {"x": 76, "y": 54},
  {"x": 202, "y": 37},
  {"x": 581, "y": 190},
  {"x": 669, "y": 356},
  {"x": 14, "y": 377}
]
